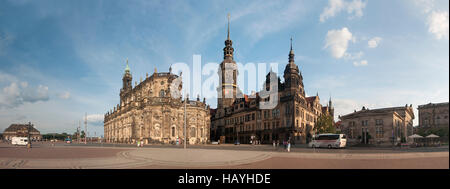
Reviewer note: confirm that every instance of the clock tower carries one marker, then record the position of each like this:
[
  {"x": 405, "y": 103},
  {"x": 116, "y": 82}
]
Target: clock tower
[{"x": 227, "y": 89}]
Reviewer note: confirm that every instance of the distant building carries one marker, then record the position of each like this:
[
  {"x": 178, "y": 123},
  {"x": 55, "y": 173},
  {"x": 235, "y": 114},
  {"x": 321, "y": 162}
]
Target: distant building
[
  {"x": 433, "y": 115},
  {"x": 21, "y": 130},
  {"x": 338, "y": 126},
  {"x": 385, "y": 126}
]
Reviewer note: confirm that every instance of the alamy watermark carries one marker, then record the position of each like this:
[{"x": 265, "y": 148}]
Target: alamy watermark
[{"x": 231, "y": 77}]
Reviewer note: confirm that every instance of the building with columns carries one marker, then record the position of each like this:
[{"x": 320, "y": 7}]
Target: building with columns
[
  {"x": 383, "y": 126},
  {"x": 243, "y": 118},
  {"x": 153, "y": 111}
]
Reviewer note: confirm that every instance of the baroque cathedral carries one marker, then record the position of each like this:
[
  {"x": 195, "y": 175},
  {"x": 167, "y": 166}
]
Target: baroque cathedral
[
  {"x": 242, "y": 118},
  {"x": 152, "y": 113}
]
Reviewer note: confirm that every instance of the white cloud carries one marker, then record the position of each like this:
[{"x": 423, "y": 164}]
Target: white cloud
[
  {"x": 438, "y": 24},
  {"x": 427, "y": 5},
  {"x": 95, "y": 119},
  {"x": 354, "y": 56},
  {"x": 374, "y": 42},
  {"x": 16, "y": 94},
  {"x": 287, "y": 14},
  {"x": 360, "y": 63},
  {"x": 337, "y": 42},
  {"x": 334, "y": 7},
  {"x": 64, "y": 95}
]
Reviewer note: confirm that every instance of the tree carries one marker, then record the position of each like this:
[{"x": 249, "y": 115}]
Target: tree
[{"x": 324, "y": 124}]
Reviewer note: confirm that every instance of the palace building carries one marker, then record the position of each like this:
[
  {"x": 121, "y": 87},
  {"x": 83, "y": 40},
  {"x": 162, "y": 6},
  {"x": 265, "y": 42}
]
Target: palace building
[
  {"x": 240, "y": 117},
  {"x": 150, "y": 112},
  {"x": 383, "y": 126},
  {"x": 434, "y": 115}
]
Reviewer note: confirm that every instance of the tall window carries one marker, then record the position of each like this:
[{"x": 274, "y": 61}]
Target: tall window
[
  {"x": 161, "y": 93},
  {"x": 365, "y": 122},
  {"x": 193, "y": 133},
  {"x": 173, "y": 131},
  {"x": 379, "y": 132},
  {"x": 379, "y": 122}
]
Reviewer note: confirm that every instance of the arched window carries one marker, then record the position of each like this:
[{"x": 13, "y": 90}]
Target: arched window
[
  {"x": 193, "y": 132},
  {"x": 161, "y": 93}
]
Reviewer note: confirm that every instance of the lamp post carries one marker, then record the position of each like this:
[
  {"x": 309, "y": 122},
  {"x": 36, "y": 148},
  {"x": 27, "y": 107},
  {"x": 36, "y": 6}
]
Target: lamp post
[
  {"x": 187, "y": 97},
  {"x": 29, "y": 138}
]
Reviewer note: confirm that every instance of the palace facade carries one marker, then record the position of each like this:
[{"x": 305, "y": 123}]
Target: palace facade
[
  {"x": 153, "y": 111},
  {"x": 384, "y": 126},
  {"x": 244, "y": 118},
  {"x": 434, "y": 115}
]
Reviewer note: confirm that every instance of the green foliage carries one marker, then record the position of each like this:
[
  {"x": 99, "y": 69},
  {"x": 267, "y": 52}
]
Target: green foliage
[
  {"x": 58, "y": 136},
  {"x": 325, "y": 124},
  {"x": 441, "y": 132}
]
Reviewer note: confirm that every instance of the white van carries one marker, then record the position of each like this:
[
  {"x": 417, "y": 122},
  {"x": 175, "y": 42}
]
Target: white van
[
  {"x": 19, "y": 141},
  {"x": 329, "y": 141}
]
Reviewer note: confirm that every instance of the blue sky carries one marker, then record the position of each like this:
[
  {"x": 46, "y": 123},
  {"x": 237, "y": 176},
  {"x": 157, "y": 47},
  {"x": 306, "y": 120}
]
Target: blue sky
[{"x": 60, "y": 59}]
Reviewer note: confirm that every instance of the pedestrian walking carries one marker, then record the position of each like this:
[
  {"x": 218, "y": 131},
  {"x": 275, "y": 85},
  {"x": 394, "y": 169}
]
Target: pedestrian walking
[
  {"x": 273, "y": 143},
  {"x": 288, "y": 146}
]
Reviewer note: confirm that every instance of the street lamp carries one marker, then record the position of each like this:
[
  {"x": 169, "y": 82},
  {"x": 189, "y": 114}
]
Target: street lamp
[
  {"x": 29, "y": 138},
  {"x": 187, "y": 97}
]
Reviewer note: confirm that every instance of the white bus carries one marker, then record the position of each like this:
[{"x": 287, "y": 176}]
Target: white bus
[
  {"x": 329, "y": 141},
  {"x": 19, "y": 141}
]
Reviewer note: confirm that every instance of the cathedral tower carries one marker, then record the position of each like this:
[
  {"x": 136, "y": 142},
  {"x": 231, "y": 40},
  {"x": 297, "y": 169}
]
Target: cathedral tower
[
  {"x": 292, "y": 77},
  {"x": 127, "y": 79},
  {"x": 227, "y": 74}
]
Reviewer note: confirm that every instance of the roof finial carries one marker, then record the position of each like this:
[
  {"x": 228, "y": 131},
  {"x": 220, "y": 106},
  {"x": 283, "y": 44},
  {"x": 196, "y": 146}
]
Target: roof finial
[
  {"x": 127, "y": 68},
  {"x": 228, "y": 37},
  {"x": 291, "y": 43}
]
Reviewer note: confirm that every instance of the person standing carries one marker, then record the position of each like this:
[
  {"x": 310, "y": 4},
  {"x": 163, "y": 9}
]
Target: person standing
[{"x": 288, "y": 146}]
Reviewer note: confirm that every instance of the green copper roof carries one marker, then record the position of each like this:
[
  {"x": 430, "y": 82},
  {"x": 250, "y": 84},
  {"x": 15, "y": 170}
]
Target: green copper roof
[{"x": 127, "y": 69}]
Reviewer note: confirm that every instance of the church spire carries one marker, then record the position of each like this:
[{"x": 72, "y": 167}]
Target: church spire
[
  {"x": 228, "y": 36},
  {"x": 127, "y": 69},
  {"x": 291, "y": 54},
  {"x": 228, "y": 50},
  {"x": 329, "y": 102},
  {"x": 291, "y": 44}
]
